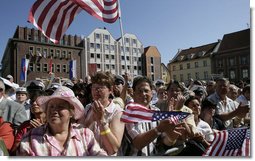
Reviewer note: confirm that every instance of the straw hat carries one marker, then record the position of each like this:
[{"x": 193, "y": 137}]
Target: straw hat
[{"x": 66, "y": 94}]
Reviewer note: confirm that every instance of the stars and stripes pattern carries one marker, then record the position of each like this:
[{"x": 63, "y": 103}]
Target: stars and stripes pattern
[
  {"x": 232, "y": 142},
  {"x": 246, "y": 144},
  {"x": 53, "y": 17},
  {"x": 137, "y": 113}
]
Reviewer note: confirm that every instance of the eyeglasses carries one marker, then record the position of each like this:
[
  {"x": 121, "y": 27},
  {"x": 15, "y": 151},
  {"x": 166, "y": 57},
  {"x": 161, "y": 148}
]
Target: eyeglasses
[{"x": 99, "y": 88}]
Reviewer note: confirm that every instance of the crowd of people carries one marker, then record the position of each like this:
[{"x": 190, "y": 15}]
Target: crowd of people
[{"x": 83, "y": 117}]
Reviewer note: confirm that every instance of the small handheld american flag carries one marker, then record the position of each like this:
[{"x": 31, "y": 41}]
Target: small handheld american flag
[
  {"x": 137, "y": 113},
  {"x": 232, "y": 142}
]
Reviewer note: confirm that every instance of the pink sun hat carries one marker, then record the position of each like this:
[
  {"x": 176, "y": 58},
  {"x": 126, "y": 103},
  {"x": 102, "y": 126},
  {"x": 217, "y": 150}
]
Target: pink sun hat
[{"x": 66, "y": 94}]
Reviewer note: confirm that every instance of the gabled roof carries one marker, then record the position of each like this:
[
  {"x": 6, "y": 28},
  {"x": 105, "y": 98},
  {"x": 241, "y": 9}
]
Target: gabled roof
[
  {"x": 148, "y": 48},
  {"x": 235, "y": 40},
  {"x": 195, "y": 52}
]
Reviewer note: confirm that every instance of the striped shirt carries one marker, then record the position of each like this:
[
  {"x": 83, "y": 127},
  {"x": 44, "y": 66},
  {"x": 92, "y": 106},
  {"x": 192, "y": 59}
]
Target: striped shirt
[{"x": 39, "y": 142}]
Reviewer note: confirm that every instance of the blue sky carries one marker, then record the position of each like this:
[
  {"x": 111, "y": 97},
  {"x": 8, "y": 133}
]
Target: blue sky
[{"x": 167, "y": 24}]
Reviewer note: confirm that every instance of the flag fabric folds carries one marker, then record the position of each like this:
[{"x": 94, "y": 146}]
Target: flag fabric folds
[
  {"x": 105, "y": 10},
  {"x": 24, "y": 68},
  {"x": 232, "y": 142},
  {"x": 50, "y": 66},
  {"x": 137, "y": 113},
  {"x": 72, "y": 69},
  {"x": 53, "y": 17}
]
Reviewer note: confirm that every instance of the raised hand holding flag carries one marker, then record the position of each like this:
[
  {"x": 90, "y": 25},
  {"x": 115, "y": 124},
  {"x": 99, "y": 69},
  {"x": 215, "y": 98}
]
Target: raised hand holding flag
[{"x": 137, "y": 113}]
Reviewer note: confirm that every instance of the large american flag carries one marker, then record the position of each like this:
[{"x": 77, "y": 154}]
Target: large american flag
[
  {"x": 137, "y": 113},
  {"x": 53, "y": 17},
  {"x": 232, "y": 142}
]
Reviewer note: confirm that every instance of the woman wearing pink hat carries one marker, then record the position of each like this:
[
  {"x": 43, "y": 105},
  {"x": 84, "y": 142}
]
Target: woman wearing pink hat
[{"x": 61, "y": 136}]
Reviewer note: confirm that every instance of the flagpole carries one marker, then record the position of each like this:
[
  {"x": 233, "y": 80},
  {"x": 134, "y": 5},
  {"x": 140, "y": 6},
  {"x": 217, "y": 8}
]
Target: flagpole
[{"x": 123, "y": 40}]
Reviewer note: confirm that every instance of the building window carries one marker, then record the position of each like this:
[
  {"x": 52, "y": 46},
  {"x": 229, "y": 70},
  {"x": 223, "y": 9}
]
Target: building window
[
  {"x": 123, "y": 67},
  {"x": 152, "y": 60},
  {"x": 134, "y": 42},
  {"x": 231, "y": 61},
  {"x": 181, "y": 67},
  {"x": 38, "y": 52},
  {"x": 127, "y": 49},
  {"x": 31, "y": 50},
  {"x": 92, "y": 45},
  {"x": 220, "y": 63},
  {"x": 69, "y": 55},
  {"x": 245, "y": 73},
  {"x": 123, "y": 58},
  {"x": 63, "y": 54},
  {"x": 188, "y": 65},
  {"x": 58, "y": 68},
  {"x": 197, "y": 75},
  {"x": 98, "y": 46},
  {"x": 107, "y": 66},
  {"x": 112, "y": 57},
  {"x": 152, "y": 77},
  {"x": 45, "y": 68},
  {"x": 112, "y": 47},
  {"x": 135, "y": 59},
  {"x": 244, "y": 60},
  {"x": 174, "y": 68},
  {"x": 45, "y": 53},
  {"x": 127, "y": 58},
  {"x": 38, "y": 67},
  {"x": 152, "y": 69},
  {"x": 64, "y": 68},
  {"x": 106, "y": 56},
  {"x": 57, "y": 54},
  {"x": 189, "y": 76},
  {"x": 106, "y": 37},
  {"x": 97, "y": 36},
  {"x": 121, "y": 48},
  {"x": 31, "y": 67},
  {"x": 92, "y": 55},
  {"x": 232, "y": 74},
  {"x": 206, "y": 76},
  {"x": 98, "y": 56},
  {"x": 51, "y": 53},
  {"x": 113, "y": 66},
  {"x": 196, "y": 65},
  {"x": 205, "y": 63},
  {"x": 181, "y": 77},
  {"x": 106, "y": 47},
  {"x": 127, "y": 40},
  {"x": 174, "y": 77},
  {"x": 98, "y": 66},
  {"x": 29, "y": 37}
]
